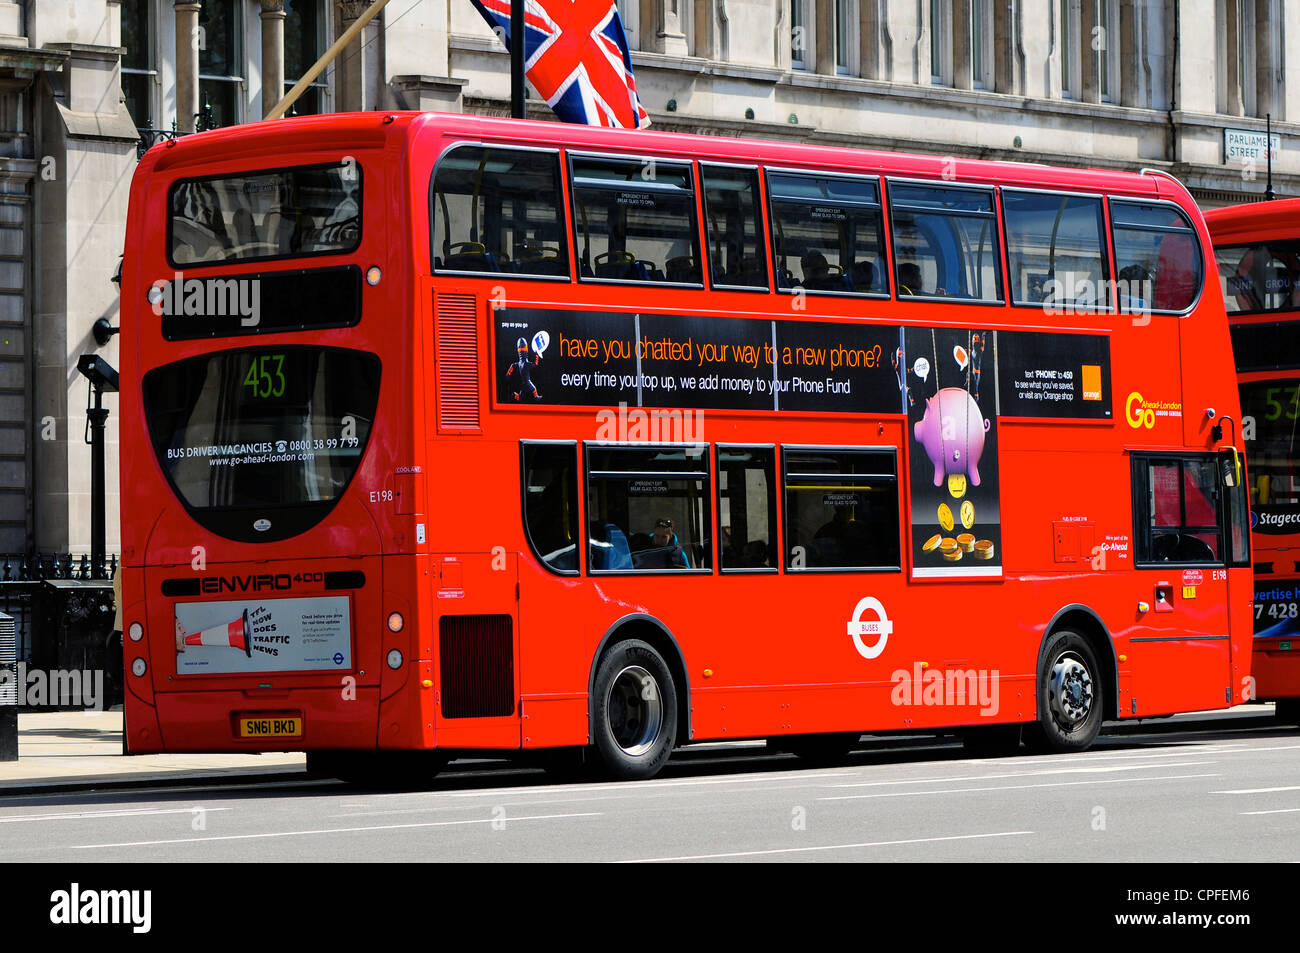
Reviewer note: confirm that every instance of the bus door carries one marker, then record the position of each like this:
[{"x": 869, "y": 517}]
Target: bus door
[{"x": 1183, "y": 545}]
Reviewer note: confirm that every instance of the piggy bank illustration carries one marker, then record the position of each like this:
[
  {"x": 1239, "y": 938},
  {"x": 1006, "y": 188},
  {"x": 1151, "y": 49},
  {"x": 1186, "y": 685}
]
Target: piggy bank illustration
[{"x": 952, "y": 433}]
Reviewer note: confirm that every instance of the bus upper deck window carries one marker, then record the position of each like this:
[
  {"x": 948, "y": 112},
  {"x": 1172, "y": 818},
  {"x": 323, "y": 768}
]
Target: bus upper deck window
[
  {"x": 1260, "y": 277},
  {"x": 1056, "y": 252},
  {"x": 734, "y": 227},
  {"x": 498, "y": 211},
  {"x": 1157, "y": 257},
  {"x": 945, "y": 242},
  {"x": 634, "y": 220},
  {"x": 282, "y": 213},
  {"x": 827, "y": 233}
]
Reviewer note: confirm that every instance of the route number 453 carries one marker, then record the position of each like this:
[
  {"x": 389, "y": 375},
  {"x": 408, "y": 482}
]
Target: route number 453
[{"x": 265, "y": 377}]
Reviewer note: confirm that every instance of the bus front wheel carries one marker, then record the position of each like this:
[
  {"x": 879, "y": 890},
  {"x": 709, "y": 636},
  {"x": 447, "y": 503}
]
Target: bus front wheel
[
  {"x": 1070, "y": 702},
  {"x": 634, "y": 711}
]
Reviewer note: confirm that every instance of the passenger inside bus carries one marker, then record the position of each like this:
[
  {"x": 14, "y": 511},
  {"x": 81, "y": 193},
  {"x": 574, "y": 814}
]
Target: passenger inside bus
[{"x": 665, "y": 550}]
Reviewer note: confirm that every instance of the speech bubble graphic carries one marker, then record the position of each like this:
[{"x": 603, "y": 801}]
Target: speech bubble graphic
[
  {"x": 921, "y": 368},
  {"x": 960, "y": 356},
  {"x": 541, "y": 341}
]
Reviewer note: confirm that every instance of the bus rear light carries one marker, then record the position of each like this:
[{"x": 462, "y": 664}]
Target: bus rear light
[
  {"x": 427, "y": 683},
  {"x": 135, "y": 632},
  {"x": 138, "y": 667},
  {"x": 395, "y": 622},
  {"x": 395, "y": 659},
  {"x": 373, "y": 275}
]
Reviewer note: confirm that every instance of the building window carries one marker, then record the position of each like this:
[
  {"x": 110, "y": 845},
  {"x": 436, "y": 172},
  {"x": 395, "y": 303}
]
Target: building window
[
  {"x": 304, "y": 42},
  {"x": 845, "y": 32},
  {"x": 1107, "y": 44},
  {"x": 1067, "y": 32},
  {"x": 139, "y": 68},
  {"x": 800, "y": 35},
  {"x": 220, "y": 59},
  {"x": 981, "y": 44},
  {"x": 940, "y": 42}
]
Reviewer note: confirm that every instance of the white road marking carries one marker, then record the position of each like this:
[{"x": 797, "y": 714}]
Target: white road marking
[
  {"x": 1015, "y": 787},
  {"x": 329, "y": 830},
  {"x": 650, "y": 785},
  {"x": 1027, "y": 774},
  {"x": 85, "y": 815},
  {"x": 1293, "y": 787},
  {"x": 796, "y": 850},
  {"x": 1284, "y": 810}
]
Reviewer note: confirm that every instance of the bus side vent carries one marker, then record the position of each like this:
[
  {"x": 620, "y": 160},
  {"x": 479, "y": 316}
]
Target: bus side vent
[
  {"x": 456, "y": 326},
  {"x": 478, "y": 672}
]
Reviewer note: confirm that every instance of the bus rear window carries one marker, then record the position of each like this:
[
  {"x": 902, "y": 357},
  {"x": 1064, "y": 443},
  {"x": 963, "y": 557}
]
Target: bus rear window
[
  {"x": 1260, "y": 278},
  {"x": 259, "y": 443},
  {"x": 1157, "y": 257},
  {"x": 282, "y": 213}
]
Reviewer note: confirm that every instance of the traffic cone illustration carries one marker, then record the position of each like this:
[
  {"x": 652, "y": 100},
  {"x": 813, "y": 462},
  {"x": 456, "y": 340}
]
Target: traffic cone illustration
[{"x": 233, "y": 634}]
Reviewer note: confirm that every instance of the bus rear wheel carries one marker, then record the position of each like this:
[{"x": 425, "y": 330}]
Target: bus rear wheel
[
  {"x": 1070, "y": 696},
  {"x": 634, "y": 711}
]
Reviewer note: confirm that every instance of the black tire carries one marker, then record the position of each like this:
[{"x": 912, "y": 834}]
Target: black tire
[
  {"x": 819, "y": 751},
  {"x": 1287, "y": 710},
  {"x": 991, "y": 741},
  {"x": 1071, "y": 697},
  {"x": 378, "y": 770},
  {"x": 634, "y": 711}
]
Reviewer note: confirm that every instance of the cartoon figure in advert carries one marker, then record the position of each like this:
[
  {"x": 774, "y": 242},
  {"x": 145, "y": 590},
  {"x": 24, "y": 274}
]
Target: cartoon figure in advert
[{"x": 518, "y": 375}]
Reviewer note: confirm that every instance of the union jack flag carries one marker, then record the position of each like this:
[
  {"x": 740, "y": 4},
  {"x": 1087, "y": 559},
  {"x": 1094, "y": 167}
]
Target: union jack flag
[{"x": 576, "y": 56}]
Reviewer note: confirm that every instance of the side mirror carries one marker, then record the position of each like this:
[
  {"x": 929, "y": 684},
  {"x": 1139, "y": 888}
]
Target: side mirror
[{"x": 1230, "y": 466}]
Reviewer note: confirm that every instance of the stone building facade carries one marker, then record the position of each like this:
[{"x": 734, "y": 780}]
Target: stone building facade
[{"x": 1174, "y": 85}]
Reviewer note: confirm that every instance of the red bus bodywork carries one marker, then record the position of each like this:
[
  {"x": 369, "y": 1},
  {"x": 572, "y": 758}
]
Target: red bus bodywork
[
  {"x": 1275, "y": 542},
  {"x": 432, "y": 517}
]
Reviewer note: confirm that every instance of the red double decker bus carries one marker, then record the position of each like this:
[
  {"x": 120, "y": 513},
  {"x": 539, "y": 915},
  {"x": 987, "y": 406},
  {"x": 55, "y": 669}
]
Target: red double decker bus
[
  {"x": 446, "y": 434},
  {"x": 1258, "y": 252}
]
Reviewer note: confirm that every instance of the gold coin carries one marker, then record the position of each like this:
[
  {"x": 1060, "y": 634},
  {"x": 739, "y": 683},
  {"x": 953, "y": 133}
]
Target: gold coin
[
  {"x": 948, "y": 545},
  {"x": 984, "y": 549},
  {"x": 932, "y": 543},
  {"x": 966, "y": 542},
  {"x": 945, "y": 517},
  {"x": 957, "y": 485},
  {"x": 953, "y": 556},
  {"x": 968, "y": 514}
]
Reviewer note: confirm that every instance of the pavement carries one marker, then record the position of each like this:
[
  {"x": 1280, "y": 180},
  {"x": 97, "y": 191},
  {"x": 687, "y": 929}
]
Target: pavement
[
  {"x": 74, "y": 750},
  {"x": 83, "y": 749}
]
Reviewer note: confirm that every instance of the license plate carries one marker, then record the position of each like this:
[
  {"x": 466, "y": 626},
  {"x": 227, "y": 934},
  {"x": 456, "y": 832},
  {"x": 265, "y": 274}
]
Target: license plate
[{"x": 272, "y": 727}]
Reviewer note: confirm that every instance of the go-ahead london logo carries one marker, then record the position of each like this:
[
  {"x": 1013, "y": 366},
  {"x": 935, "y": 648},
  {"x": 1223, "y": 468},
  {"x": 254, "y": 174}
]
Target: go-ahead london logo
[{"x": 861, "y": 629}]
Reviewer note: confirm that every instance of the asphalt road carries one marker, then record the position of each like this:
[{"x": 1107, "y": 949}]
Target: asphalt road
[{"x": 1210, "y": 791}]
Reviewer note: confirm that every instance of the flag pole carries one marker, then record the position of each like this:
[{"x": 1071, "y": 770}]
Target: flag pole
[
  {"x": 517, "y": 59},
  {"x": 318, "y": 67}
]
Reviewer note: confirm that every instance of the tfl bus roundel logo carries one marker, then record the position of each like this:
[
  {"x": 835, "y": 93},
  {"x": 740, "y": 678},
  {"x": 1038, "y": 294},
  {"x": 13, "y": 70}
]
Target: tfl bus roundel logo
[{"x": 879, "y": 627}]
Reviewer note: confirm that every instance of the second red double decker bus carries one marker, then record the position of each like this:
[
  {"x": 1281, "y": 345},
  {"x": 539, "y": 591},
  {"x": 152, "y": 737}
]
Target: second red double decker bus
[
  {"x": 1258, "y": 252},
  {"x": 447, "y": 434}
]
